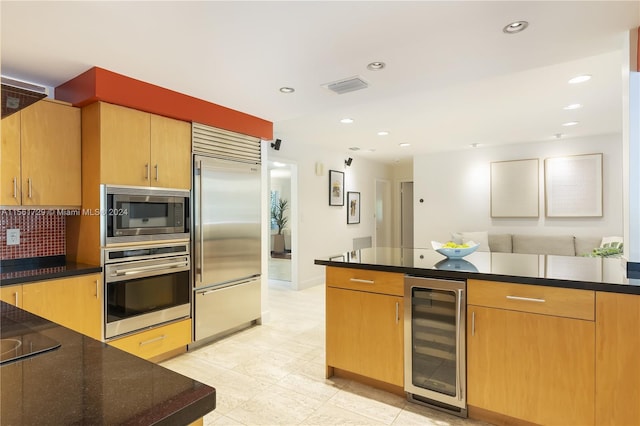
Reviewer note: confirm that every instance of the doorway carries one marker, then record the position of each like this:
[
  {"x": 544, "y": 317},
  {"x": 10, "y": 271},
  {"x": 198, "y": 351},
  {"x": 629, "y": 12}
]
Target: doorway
[
  {"x": 280, "y": 250},
  {"x": 383, "y": 213},
  {"x": 406, "y": 214}
]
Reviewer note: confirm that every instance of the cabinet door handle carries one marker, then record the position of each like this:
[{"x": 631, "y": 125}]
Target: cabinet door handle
[
  {"x": 473, "y": 323},
  {"x": 358, "y": 280},
  {"x": 15, "y": 187},
  {"x": 15, "y": 295},
  {"x": 97, "y": 289},
  {"x": 156, "y": 339},
  {"x": 526, "y": 299},
  {"x": 397, "y": 312},
  {"x": 156, "y": 167},
  {"x": 30, "y": 187},
  {"x": 146, "y": 171}
]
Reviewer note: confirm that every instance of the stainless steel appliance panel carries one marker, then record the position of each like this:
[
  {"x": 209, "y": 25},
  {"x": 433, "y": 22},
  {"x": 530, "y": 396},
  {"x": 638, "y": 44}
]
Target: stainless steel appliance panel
[
  {"x": 139, "y": 214},
  {"x": 151, "y": 290},
  {"x": 218, "y": 310},
  {"x": 227, "y": 221},
  {"x": 435, "y": 360}
]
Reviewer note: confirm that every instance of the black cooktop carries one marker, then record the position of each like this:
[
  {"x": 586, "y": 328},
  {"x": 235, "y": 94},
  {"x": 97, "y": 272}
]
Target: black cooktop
[{"x": 18, "y": 341}]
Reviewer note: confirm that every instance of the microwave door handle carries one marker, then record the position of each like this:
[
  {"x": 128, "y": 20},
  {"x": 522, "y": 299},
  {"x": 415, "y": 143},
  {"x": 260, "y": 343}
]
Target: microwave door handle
[{"x": 142, "y": 269}]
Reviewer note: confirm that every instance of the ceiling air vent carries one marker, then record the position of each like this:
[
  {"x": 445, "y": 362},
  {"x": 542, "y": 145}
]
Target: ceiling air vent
[
  {"x": 17, "y": 94},
  {"x": 347, "y": 85}
]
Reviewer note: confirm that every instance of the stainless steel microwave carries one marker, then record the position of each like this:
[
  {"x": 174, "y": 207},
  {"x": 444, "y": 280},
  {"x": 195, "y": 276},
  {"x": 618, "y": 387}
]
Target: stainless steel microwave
[{"x": 137, "y": 214}]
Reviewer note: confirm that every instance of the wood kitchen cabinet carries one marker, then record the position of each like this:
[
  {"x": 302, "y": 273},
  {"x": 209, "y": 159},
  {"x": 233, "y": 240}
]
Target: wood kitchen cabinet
[
  {"x": 617, "y": 366},
  {"x": 530, "y": 353},
  {"x": 12, "y": 294},
  {"x": 41, "y": 160},
  {"x": 137, "y": 148},
  {"x": 157, "y": 342},
  {"x": 74, "y": 302},
  {"x": 364, "y": 324},
  {"x": 170, "y": 152}
]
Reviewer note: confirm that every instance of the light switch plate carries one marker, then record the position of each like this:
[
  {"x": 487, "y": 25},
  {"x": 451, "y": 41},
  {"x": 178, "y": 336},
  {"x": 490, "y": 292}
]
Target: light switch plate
[{"x": 13, "y": 237}]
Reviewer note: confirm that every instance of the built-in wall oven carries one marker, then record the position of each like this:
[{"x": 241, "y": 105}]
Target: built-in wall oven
[
  {"x": 146, "y": 286},
  {"x": 140, "y": 214},
  {"x": 434, "y": 356}
]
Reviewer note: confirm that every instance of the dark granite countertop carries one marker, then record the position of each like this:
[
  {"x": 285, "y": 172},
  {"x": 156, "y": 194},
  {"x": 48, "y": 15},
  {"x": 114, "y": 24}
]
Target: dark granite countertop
[
  {"x": 22, "y": 271},
  {"x": 591, "y": 273},
  {"x": 85, "y": 381}
]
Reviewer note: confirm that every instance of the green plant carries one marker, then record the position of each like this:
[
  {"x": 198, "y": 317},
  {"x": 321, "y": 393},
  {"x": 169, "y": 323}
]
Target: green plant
[{"x": 277, "y": 214}]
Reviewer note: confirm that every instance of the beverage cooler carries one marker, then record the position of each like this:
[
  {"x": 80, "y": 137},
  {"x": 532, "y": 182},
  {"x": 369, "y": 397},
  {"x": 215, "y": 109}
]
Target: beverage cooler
[{"x": 435, "y": 361}]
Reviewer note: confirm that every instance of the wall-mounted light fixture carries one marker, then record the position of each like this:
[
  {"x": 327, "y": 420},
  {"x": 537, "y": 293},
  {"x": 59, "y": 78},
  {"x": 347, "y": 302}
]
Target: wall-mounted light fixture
[
  {"x": 276, "y": 145},
  {"x": 348, "y": 161}
]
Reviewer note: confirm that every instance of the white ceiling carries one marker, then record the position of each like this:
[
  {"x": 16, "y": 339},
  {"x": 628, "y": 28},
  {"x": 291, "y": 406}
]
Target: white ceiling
[{"x": 453, "y": 78}]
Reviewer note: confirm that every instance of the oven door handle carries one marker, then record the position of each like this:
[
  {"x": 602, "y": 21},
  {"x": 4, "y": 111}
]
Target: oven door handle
[{"x": 142, "y": 269}]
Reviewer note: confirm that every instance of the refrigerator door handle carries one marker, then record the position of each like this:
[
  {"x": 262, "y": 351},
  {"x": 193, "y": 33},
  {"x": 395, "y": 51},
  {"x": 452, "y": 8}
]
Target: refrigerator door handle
[
  {"x": 217, "y": 287},
  {"x": 200, "y": 268}
]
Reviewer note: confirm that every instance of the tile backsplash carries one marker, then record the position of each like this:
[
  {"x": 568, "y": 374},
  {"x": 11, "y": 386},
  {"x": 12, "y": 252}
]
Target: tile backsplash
[{"x": 42, "y": 233}]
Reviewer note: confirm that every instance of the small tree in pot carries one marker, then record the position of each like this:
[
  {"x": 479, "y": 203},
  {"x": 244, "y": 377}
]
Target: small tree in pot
[{"x": 278, "y": 216}]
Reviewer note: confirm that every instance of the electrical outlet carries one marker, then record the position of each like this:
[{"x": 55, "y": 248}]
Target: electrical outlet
[{"x": 13, "y": 237}]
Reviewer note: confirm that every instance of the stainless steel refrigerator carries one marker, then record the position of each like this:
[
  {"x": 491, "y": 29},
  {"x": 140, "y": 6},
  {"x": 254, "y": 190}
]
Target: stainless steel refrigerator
[{"x": 227, "y": 245}]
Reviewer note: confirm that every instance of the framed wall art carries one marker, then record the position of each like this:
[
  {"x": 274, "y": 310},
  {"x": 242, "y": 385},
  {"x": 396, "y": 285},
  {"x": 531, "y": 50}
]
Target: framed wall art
[
  {"x": 336, "y": 188},
  {"x": 573, "y": 186},
  {"x": 353, "y": 207},
  {"x": 514, "y": 188}
]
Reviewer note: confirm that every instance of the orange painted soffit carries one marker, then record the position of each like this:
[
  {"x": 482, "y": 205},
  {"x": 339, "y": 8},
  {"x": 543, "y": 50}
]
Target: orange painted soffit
[{"x": 98, "y": 84}]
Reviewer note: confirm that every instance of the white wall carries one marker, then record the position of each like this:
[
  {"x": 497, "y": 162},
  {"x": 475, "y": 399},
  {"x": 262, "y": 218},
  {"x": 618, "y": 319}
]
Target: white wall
[
  {"x": 323, "y": 229},
  {"x": 455, "y": 187}
]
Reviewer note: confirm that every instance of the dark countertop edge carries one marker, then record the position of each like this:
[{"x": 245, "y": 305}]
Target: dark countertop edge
[
  {"x": 193, "y": 404},
  {"x": 74, "y": 269},
  {"x": 195, "y": 410},
  {"x": 434, "y": 273}
]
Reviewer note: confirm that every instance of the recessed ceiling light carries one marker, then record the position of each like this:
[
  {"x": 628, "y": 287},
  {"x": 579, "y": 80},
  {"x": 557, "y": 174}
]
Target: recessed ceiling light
[
  {"x": 376, "y": 66},
  {"x": 404, "y": 145},
  {"x": 570, "y": 123},
  {"x": 475, "y": 145},
  {"x": 580, "y": 79},
  {"x": 573, "y": 106},
  {"x": 515, "y": 27},
  {"x": 347, "y": 120},
  {"x": 383, "y": 133},
  {"x": 287, "y": 89}
]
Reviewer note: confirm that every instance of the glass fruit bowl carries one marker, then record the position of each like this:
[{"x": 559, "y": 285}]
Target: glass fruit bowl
[{"x": 457, "y": 252}]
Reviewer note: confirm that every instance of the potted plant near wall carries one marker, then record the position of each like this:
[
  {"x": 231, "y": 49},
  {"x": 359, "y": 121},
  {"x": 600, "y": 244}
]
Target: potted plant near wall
[{"x": 278, "y": 216}]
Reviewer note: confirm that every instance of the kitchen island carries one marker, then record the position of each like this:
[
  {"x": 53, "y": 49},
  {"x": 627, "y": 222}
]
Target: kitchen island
[
  {"x": 548, "y": 339},
  {"x": 79, "y": 380}
]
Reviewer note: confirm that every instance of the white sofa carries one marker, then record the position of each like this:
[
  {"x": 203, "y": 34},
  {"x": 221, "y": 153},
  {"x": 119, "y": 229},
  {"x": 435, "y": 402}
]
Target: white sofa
[{"x": 564, "y": 245}]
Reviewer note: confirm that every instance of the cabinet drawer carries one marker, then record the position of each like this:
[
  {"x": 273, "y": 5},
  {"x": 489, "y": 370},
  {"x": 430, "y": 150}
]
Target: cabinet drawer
[
  {"x": 561, "y": 302},
  {"x": 365, "y": 280},
  {"x": 151, "y": 343}
]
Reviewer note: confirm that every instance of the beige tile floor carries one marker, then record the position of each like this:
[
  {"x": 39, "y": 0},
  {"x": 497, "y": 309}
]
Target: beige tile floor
[{"x": 273, "y": 374}]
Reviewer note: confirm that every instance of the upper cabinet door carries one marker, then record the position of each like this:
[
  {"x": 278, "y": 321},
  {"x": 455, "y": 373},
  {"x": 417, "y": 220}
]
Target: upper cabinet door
[
  {"x": 170, "y": 153},
  {"x": 10, "y": 183},
  {"x": 50, "y": 155},
  {"x": 124, "y": 146}
]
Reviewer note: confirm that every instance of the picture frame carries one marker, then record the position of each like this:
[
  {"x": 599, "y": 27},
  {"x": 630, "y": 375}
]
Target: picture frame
[
  {"x": 336, "y": 188},
  {"x": 353, "y": 207},
  {"x": 514, "y": 189},
  {"x": 573, "y": 186}
]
